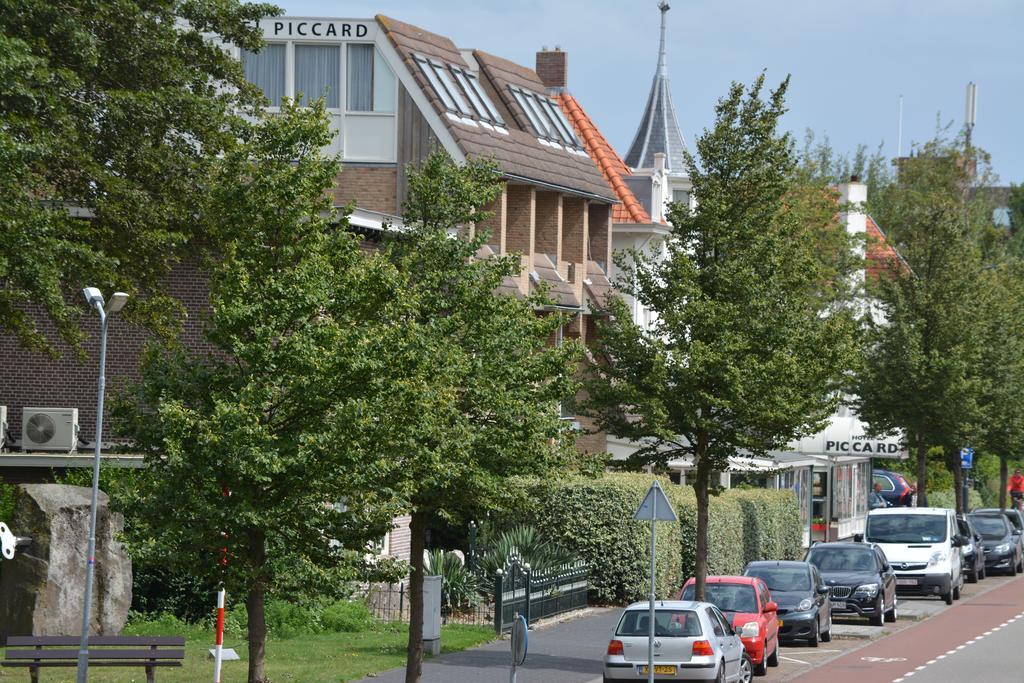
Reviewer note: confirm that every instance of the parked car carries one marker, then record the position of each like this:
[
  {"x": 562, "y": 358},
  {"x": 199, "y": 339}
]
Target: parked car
[
  {"x": 693, "y": 642},
  {"x": 1001, "y": 549},
  {"x": 972, "y": 554},
  {"x": 860, "y": 580},
  {"x": 805, "y": 610},
  {"x": 896, "y": 490},
  {"x": 923, "y": 546},
  {"x": 747, "y": 604},
  {"x": 1016, "y": 519}
]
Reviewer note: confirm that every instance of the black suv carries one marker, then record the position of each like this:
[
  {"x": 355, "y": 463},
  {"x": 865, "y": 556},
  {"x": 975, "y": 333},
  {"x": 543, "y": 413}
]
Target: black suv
[{"x": 861, "y": 582}]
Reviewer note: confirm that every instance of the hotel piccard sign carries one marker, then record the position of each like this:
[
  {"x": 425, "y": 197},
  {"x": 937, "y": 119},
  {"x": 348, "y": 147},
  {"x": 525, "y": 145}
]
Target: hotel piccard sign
[
  {"x": 302, "y": 29},
  {"x": 850, "y": 436}
]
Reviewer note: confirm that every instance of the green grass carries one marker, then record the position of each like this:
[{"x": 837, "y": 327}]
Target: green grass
[{"x": 321, "y": 658}]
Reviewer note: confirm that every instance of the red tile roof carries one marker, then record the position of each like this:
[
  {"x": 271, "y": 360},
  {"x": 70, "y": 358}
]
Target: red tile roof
[
  {"x": 881, "y": 257},
  {"x": 611, "y": 164}
]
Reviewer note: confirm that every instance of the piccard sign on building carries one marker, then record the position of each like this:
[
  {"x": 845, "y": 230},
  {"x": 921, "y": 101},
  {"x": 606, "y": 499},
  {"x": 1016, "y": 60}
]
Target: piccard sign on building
[
  {"x": 312, "y": 29},
  {"x": 850, "y": 436}
]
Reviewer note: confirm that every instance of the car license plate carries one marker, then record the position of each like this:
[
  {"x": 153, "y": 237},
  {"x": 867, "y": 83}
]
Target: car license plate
[
  {"x": 838, "y": 604},
  {"x": 658, "y": 669},
  {"x": 780, "y": 622},
  {"x": 906, "y": 582}
]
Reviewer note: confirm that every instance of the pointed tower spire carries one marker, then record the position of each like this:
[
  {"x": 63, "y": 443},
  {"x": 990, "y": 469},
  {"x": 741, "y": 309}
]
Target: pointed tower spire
[{"x": 659, "y": 127}]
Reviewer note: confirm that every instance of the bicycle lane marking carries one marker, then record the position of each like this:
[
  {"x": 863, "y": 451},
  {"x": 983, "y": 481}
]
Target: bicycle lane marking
[{"x": 904, "y": 653}]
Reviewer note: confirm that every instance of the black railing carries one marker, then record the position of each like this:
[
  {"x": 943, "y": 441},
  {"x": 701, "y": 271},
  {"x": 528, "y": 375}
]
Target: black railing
[{"x": 535, "y": 595}]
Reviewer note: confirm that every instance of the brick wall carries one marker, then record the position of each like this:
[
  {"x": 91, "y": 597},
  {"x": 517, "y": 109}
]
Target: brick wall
[
  {"x": 521, "y": 223},
  {"x": 69, "y": 381},
  {"x": 552, "y": 68},
  {"x": 600, "y": 233},
  {"x": 371, "y": 187},
  {"x": 495, "y": 223},
  {"x": 574, "y": 217},
  {"x": 548, "y": 235}
]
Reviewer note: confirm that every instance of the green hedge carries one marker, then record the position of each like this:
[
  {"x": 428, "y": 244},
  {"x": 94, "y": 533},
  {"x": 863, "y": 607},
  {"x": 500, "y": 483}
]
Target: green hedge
[
  {"x": 594, "y": 519},
  {"x": 947, "y": 499}
]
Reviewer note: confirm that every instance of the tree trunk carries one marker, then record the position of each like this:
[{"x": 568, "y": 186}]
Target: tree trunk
[
  {"x": 922, "y": 472},
  {"x": 1004, "y": 479},
  {"x": 701, "y": 484},
  {"x": 255, "y": 603},
  {"x": 958, "y": 479},
  {"x": 417, "y": 541}
]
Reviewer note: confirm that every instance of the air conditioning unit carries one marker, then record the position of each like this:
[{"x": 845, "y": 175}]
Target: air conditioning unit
[
  {"x": 49, "y": 429},
  {"x": 3, "y": 427}
]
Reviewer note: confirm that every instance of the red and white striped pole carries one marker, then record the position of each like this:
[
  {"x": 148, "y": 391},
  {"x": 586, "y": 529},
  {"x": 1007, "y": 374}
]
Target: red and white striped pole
[{"x": 220, "y": 636}]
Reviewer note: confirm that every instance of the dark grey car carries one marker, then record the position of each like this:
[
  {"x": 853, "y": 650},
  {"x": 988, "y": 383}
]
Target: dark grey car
[
  {"x": 805, "y": 610},
  {"x": 972, "y": 554},
  {"x": 1001, "y": 548},
  {"x": 861, "y": 581}
]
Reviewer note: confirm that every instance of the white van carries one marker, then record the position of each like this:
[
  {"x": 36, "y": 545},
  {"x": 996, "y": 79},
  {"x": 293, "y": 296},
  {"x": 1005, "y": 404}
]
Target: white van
[{"x": 923, "y": 546}]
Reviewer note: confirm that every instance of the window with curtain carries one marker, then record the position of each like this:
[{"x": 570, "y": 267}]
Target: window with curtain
[
  {"x": 360, "y": 77},
  {"x": 265, "y": 69},
  {"x": 318, "y": 74}
]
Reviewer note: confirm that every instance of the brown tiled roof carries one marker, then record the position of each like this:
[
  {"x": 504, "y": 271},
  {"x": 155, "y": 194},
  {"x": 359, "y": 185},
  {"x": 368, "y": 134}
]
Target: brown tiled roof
[
  {"x": 561, "y": 292},
  {"x": 508, "y": 284},
  {"x": 611, "y": 164},
  {"x": 597, "y": 286},
  {"x": 519, "y": 153}
]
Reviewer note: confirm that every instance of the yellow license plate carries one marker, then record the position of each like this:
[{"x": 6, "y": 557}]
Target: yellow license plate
[
  {"x": 780, "y": 622},
  {"x": 659, "y": 669}
]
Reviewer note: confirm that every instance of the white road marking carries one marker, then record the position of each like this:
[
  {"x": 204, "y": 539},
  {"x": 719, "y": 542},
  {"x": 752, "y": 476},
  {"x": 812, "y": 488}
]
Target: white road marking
[{"x": 790, "y": 659}]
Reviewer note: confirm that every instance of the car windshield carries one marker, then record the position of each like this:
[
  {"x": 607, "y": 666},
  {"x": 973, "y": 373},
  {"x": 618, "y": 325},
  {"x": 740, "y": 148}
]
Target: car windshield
[
  {"x": 668, "y": 623},
  {"x": 991, "y": 527},
  {"x": 906, "y": 529},
  {"x": 843, "y": 559},
  {"x": 728, "y": 597},
  {"x": 783, "y": 578}
]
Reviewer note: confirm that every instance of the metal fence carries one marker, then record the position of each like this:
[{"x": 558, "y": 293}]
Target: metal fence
[
  {"x": 536, "y": 595},
  {"x": 390, "y": 602}
]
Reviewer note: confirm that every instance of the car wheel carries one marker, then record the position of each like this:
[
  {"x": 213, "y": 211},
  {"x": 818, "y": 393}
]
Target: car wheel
[
  {"x": 813, "y": 640},
  {"x": 762, "y": 668},
  {"x": 876, "y": 618},
  {"x": 826, "y": 635},
  {"x": 948, "y": 596},
  {"x": 1020, "y": 565},
  {"x": 746, "y": 670},
  {"x": 972, "y": 577},
  {"x": 956, "y": 592},
  {"x": 720, "y": 678},
  {"x": 982, "y": 573},
  {"x": 774, "y": 659},
  {"x": 891, "y": 615},
  {"x": 1013, "y": 569}
]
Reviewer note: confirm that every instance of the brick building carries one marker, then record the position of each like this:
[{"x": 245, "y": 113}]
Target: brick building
[{"x": 394, "y": 92}]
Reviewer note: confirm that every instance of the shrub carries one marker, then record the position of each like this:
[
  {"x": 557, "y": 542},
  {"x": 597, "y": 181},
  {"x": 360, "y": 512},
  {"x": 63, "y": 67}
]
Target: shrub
[
  {"x": 523, "y": 542},
  {"x": 594, "y": 518},
  {"x": 947, "y": 499},
  {"x": 347, "y": 616},
  {"x": 459, "y": 587}
]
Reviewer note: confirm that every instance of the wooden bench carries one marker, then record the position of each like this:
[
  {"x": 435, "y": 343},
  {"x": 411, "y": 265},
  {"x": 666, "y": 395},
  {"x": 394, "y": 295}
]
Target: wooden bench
[{"x": 62, "y": 651}]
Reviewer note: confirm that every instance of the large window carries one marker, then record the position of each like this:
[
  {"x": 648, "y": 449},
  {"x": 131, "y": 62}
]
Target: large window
[
  {"x": 547, "y": 119},
  {"x": 318, "y": 74},
  {"x": 266, "y": 69},
  {"x": 371, "y": 83}
]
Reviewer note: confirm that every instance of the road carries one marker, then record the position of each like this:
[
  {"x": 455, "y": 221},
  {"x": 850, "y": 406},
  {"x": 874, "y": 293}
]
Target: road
[{"x": 975, "y": 638}]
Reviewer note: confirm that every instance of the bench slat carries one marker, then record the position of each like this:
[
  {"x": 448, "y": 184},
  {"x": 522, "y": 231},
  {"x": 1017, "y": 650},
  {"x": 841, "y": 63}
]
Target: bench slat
[
  {"x": 69, "y": 663},
  {"x": 34, "y": 641},
  {"x": 96, "y": 654}
]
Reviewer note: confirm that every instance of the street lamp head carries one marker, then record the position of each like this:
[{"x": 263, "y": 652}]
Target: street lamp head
[
  {"x": 93, "y": 296},
  {"x": 117, "y": 302}
]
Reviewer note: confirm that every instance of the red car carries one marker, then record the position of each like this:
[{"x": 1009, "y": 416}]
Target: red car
[{"x": 746, "y": 602}]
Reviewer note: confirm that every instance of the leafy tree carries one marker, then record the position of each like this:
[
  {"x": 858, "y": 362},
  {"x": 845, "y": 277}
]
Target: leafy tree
[
  {"x": 250, "y": 439},
  {"x": 820, "y": 163},
  {"x": 749, "y": 347},
  {"x": 476, "y": 391},
  {"x": 114, "y": 110},
  {"x": 923, "y": 365}
]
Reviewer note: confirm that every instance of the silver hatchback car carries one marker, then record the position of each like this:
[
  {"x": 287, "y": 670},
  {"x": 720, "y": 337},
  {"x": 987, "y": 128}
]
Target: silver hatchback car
[{"x": 692, "y": 642}]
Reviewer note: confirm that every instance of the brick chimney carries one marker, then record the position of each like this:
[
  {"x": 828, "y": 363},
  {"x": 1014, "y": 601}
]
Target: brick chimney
[{"x": 551, "y": 67}]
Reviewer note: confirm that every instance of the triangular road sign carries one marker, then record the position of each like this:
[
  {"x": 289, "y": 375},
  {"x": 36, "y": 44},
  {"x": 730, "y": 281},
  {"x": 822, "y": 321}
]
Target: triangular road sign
[{"x": 655, "y": 506}]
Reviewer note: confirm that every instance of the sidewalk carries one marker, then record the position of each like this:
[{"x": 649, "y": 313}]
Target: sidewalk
[{"x": 569, "y": 652}]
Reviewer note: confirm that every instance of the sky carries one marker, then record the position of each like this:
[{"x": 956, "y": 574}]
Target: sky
[{"x": 850, "y": 61}]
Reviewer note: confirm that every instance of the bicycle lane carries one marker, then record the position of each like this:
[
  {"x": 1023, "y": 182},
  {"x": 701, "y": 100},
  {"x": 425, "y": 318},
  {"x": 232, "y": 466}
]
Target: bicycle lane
[{"x": 901, "y": 655}]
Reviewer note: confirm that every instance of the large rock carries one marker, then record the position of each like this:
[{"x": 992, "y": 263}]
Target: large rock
[{"x": 41, "y": 589}]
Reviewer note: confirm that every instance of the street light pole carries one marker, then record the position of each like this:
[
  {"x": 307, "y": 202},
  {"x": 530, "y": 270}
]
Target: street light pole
[{"x": 117, "y": 302}]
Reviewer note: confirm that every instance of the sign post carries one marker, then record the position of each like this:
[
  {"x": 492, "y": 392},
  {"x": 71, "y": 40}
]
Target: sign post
[
  {"x": 966, "y": 464},
  {"x": 519, "y": 642},
  {"x": 655, "y": 507}
]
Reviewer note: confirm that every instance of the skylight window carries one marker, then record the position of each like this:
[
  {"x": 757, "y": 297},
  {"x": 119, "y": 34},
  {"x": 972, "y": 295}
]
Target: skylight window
[
  {"x": 547, "y": 119},
  {"x": 443, "y": 86},
  {"x": 477, "y": 97},
  {"x": 492, "y": 111}
]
